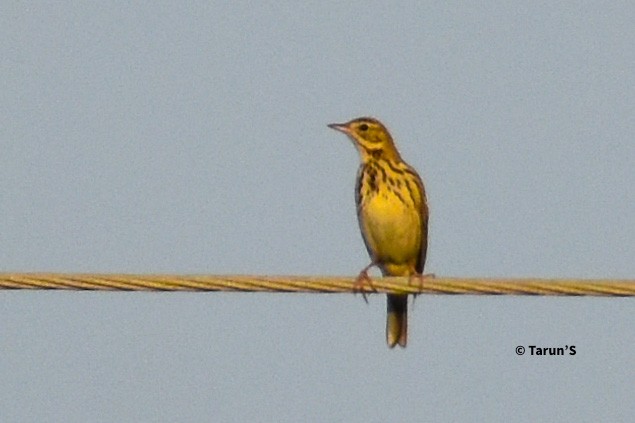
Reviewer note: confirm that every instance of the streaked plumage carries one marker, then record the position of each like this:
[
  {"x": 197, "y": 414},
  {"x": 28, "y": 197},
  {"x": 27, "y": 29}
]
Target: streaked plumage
[{"x": 392, "y": 213}]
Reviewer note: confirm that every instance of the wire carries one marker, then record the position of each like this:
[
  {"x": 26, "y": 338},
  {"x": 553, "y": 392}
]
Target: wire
[{"x": 317, "y": 284}]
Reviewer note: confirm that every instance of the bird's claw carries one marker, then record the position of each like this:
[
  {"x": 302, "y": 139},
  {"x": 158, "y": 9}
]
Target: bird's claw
[
  {"x": 420, "y": 278},
  {"x": 362, "y": 280}
]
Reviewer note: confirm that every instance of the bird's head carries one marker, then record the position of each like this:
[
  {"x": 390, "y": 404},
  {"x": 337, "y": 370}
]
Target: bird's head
[{"x": 370, "y": 136}]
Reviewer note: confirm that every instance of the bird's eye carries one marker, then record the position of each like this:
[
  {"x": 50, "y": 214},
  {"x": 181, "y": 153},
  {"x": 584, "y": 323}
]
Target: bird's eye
[{"x": 363, "y": 127}]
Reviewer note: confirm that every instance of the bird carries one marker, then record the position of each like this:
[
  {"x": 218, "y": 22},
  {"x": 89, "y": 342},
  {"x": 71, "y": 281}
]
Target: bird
[{"x": 392, "y": 212}]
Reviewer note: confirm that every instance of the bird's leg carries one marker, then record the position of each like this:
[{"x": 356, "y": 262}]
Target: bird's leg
[
  {"x": 420, "y": 278},
  {"x": 364, "y": 279}
]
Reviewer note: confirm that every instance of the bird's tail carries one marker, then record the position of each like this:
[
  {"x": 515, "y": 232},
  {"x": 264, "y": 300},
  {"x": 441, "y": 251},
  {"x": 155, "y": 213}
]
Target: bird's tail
[{"x": 397, "y": 321}]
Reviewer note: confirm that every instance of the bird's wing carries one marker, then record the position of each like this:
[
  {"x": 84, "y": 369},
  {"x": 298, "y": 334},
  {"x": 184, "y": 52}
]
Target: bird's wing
[{"x": 423, "y": 216}]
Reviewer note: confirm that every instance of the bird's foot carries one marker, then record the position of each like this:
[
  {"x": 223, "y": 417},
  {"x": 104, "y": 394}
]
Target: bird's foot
[
  {"x": 362, "y": 280},
  {"x": 420, "y": 278}
]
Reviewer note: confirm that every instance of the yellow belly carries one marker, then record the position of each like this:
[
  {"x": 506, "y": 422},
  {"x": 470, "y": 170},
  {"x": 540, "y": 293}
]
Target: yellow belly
[{"x": 393, "y": 233}]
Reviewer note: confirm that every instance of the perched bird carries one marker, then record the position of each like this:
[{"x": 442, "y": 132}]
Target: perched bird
[{"x": 392, "y": 213}]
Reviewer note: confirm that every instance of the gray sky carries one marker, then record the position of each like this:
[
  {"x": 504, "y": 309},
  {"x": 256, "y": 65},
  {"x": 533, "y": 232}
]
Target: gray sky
[{"x": 155, "y": 137}]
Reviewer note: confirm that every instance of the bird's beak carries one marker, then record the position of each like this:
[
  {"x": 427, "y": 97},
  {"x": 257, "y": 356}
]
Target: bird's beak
[{"x": 342, "y": 127}]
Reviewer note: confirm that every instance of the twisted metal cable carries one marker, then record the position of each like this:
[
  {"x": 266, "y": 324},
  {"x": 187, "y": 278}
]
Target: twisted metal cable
[{"x": 316, "y": 284}]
